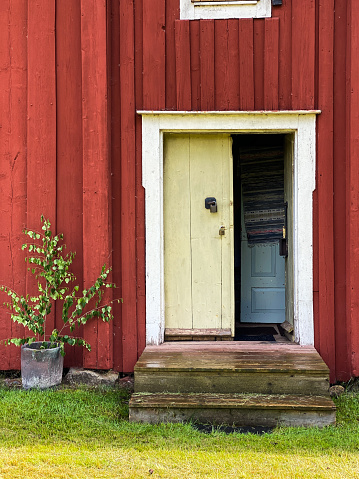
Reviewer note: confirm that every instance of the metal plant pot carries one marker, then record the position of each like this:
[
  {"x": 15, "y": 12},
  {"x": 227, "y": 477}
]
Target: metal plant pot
[{"x": 41, "y": 368}]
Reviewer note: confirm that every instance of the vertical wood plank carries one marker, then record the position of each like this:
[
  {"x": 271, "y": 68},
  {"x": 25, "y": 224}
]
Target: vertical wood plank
[
  {"x": 6, "y": 256},
  {"x": 13, "y": 95},
  {"x": 154, "y": 55},
  {"x": 221, "y": 61},
  {"x": 116, "y": 181},
  {"x": 325, "y": 183},
  {"x": 69, "y": 142},
  {"x": 207, "y": 64},
  {"x": 316, "y": 259},
  {"x": 140, "y": 244},
  {"x": 128, "y": 185},
  {"x": 177, "y": 232},
  {"x": 233, "y": 67},
  {"x": 352, "y": 260},
  {"x": 140, "y": 193},
  {"x": 41, "y": 126},
  {"x": 96, "y": 175},
  {"x": 271, "y": 63},
  {"x": 246, "y": 69},
  {"x": 41, "y": 112},
  {"x": 172, "y": 14},
  {"x": 316, "y": 315},
  {"x": 226, "y": 70},
  {"x": 258, "y": 27},
  {"x": 316, "y": 271},
  {"x": 183, "y": 65},
  {"x": 209, "y": 170},
  {"x": 284, "y": 13},
  {"x": 303, "y": 54},
  {"x": 195, "y": 65},
  {"x": 342, "y": 325},
  {"x": 138, "y": 54},
  {"x": 17, "y": 149}
]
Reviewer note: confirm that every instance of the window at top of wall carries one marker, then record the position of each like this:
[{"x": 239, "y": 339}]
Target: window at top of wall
[{"x": 196, "y": 9}]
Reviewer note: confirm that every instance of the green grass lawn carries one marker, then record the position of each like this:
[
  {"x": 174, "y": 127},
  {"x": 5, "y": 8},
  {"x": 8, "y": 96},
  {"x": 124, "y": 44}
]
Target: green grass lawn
[{"x": 83, "y": 433}]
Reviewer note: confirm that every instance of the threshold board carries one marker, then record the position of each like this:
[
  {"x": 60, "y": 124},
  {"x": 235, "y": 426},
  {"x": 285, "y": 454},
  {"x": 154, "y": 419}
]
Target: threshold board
[{"x": 177, "y": 334}]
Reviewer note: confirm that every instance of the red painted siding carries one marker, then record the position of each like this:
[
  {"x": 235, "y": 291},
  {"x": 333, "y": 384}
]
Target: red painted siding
[
  {"x": 116, "y": 180},
  {"x": 352, "y": 167},
  {"x": 172, "y": 14},
  {"x": 96, "y": 198},
  {"x": 195, "y": 66},
  {"x": 71, "y": 140},
  {"x": 341, "y": 312},
  {"x": 206, "y": 43},
  {"x": 246, "y": 65},
  {"x": 183, "y": 66},
  {"x": 154, "y": 55},
  {"x": 226, "y": 62},
  {"x": 128, "y": 188},
  {"x": 303, "y": 54},
  {"x": 284, "y": 14},
  {"x": 325, "y": 256},
  {"x": 41, "y": 120},
  {"x": 140, "y": 193},
  {"x": 13, "y": 136},
  {"x": 271, "y": 64}
]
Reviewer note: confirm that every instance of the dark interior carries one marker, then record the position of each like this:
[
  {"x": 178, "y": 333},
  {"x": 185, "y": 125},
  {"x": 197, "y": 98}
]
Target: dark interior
[{"x": 244, "y": 144}]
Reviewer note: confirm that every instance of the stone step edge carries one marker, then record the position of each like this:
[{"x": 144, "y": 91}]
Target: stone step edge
[{"x": 239, "y": 401}]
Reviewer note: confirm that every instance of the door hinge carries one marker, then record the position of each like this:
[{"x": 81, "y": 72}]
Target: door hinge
[{"x": 277, "y": 2}]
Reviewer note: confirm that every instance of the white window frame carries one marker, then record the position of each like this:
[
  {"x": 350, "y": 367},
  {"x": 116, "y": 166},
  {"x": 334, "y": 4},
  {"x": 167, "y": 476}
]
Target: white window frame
[
  {"x": 190, "y": 10},
  {"x": 302, "y": 124}
]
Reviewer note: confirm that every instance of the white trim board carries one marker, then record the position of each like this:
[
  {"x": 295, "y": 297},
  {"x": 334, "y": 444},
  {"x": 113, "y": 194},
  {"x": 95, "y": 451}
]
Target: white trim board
[
  {"x": 191, "y": 10},
  {"x": 302, "y": 124}
]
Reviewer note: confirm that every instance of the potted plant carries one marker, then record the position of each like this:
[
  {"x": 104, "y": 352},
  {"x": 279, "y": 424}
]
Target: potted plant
[{"x": 43, "y": 350}]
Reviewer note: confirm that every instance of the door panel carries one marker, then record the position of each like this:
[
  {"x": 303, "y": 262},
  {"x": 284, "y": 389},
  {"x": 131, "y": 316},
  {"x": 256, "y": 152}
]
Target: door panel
[
  {"x": 206, "y": 179},
  {"x": 263, "y": 261},
  {"x": 266, "y": 300},
  {"x": 199, "y": 286},
  {"x": 262, "y": 284},
  {"x": 177, "y": 229},
  {"x": 288, "y": 197}
]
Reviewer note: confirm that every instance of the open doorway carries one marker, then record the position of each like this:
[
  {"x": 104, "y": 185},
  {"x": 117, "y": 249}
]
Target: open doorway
[
  {"x": 262, "y": 192},
  {"x": 298, "y": 127}
]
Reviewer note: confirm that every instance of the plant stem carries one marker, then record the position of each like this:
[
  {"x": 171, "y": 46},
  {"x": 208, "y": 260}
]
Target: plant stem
[{"x": 46, "y": 289}]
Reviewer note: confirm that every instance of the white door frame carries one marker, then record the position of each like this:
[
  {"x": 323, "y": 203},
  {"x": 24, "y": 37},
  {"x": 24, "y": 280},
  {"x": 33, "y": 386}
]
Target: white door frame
[{"x": 302, "y": 124}]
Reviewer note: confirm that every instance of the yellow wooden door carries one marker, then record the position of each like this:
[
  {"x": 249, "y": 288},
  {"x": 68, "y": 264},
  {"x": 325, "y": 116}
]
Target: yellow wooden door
[{"x": 198, "y": 260}]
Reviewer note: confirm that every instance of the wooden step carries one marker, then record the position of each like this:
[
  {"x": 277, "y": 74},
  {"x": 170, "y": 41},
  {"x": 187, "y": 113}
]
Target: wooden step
[
  {"x": 233, "y": 409},
  {"x": 172, "y": 334},
  {"x": 231, "y": 368}
]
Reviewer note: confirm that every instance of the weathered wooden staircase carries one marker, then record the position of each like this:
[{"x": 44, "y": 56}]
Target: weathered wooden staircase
[{"x": 235, "y": 383}]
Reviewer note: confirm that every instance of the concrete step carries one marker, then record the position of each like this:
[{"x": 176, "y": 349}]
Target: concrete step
[
  {"x": 231, "y": 369},
  {"x": 233, "y": 409}
]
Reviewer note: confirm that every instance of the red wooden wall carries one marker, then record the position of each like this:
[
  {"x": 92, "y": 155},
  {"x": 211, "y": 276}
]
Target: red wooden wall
[{"x": 73, "y": 75}]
